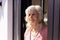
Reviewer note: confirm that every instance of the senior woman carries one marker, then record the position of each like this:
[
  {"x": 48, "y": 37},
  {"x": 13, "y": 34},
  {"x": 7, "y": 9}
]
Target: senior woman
[{"x": 36, "y": 29}]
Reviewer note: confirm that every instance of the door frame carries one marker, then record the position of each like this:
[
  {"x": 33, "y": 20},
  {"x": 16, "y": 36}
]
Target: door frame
[
  {"x": 16, "y": 19},
  {"x": 53, "y": 19}
]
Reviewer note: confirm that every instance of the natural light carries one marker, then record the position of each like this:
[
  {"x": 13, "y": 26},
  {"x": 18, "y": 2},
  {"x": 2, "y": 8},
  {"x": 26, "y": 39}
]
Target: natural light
[{"x": 3, "y": 20}]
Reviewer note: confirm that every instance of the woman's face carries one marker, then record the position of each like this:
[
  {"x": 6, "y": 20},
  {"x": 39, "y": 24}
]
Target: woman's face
[{"x": 32, "y": 16}]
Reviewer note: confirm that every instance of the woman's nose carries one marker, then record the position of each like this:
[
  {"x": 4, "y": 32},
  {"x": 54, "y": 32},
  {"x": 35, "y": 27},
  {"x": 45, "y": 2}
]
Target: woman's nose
[{"x": 30, "y": 16}]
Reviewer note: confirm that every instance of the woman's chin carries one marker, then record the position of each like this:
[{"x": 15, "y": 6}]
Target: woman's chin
[{"x": 31, "y": 22}]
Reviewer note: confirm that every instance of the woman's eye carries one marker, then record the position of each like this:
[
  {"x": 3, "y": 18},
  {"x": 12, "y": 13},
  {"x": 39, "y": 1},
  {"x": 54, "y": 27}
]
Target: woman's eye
[
  {"x": 29, "y": 14},
  {"x": 33, "y": 14}
]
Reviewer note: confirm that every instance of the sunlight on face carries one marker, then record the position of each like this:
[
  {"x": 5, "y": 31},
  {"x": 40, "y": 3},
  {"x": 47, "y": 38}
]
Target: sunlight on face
[{"x": 32, "y": 16}]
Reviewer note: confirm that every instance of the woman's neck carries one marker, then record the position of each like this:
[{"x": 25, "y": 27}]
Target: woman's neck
[
  {"x": 34, "y": 27},
  {"x": 37, "y": 26}
]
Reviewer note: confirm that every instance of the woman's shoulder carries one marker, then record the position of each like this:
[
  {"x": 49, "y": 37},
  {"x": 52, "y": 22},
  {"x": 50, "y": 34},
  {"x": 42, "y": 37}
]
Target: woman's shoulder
[
  {"x": 45, "y": 26},
  {"x": 44, "y": 29},
  {"x": 27, "y": 32}
]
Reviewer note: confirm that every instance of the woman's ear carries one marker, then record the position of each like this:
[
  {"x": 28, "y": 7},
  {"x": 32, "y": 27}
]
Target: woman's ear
[{"x": 26, "y": 18}]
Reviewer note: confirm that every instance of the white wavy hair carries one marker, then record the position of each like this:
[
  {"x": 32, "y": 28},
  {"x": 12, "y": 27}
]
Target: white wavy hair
[{"x": 38, "y": 9}]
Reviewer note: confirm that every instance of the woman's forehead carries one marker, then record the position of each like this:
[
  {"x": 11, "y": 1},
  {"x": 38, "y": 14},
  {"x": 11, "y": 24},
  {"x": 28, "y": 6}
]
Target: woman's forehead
[{"x": 32, "y": 11}]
